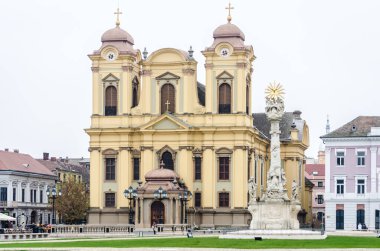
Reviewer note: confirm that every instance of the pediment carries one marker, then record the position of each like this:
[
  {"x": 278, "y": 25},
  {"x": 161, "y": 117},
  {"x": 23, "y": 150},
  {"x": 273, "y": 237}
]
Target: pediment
[
  {"x": 166, "y": 122},
  {"x": 110, "y": 78},
  {"x": 224, "y": 75},
  {"x": 167, "y": 76}
]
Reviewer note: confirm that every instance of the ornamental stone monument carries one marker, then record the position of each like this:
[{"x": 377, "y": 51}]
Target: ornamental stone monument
[
  {"x": 275, "y": 210},
  {"x": 274, "y": 215}
]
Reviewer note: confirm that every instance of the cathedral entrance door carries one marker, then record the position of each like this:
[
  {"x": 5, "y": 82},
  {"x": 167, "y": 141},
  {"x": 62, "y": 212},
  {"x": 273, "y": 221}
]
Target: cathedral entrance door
[{"x": 157, "y": 213}]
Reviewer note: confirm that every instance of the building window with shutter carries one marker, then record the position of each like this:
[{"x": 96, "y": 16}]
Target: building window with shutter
[
  {"x": 224, "y": 168},
  {"x": 198, "y": 168},
  {"x": 110, "y": 168},
  {"x": 224, "y": 98},
  {"x": 136, "y": 168},
  {"x": 111, "y": 101},
  {"x": 109, "y": 199},
  {"x": 224, "y": 199},
  {"x": 135, "y": 92},
  {"x": 167, "y": 98},
  {"x": 197, "y": 199}
]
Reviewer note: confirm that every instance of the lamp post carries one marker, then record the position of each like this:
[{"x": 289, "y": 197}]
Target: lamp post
[
  {"x": 130, "y": 194},
  {"x": 53, "y": 194},
  {"x": 160, "y": 194},
  {"x": 185, "y": 197}
]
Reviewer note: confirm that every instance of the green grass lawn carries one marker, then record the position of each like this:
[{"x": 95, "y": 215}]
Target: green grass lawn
[{"x": 210, "y": 242}]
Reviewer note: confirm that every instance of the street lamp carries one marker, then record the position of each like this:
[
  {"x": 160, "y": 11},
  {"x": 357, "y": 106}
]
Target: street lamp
[
  {"x": 160, "y": 194},
  {"x": 185, "y": 197},
  {"x": 130, "y": 194},
  {"x": 53, "y": 195}
]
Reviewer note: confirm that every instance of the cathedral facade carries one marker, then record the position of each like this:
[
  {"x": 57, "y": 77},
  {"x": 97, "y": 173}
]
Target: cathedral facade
[{"x": 154, "y": 126}]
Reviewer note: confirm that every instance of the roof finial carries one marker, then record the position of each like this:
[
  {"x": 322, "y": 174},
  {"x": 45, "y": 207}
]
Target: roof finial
[
  {"x": 117, "y": 13},
  {"x": 328, "y": 124},
  {"x": 229, "y": 8}
]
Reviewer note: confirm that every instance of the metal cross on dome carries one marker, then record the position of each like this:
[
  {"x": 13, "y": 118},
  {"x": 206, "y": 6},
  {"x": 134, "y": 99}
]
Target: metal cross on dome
[
  {"x": 117, "y": 13},
  {"x": 229, "y": 8}
]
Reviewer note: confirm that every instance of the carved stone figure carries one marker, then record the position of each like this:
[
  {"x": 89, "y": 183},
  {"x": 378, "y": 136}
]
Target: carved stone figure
[
  {"x": 252, "y": 190},
  {"x": 294, "y": 190}
]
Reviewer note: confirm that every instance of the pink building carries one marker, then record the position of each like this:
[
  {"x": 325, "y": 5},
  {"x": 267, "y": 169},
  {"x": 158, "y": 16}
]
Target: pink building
[
  {"x": 316, "y": 174},
  {"x": 352, "y": 173}
]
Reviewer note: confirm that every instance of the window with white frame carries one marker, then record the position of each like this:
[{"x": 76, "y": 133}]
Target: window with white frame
[
  {"x": 360, "y": 186},
  {"x": 340, "y": 186},
  {"x": 340, "y": 158},
  {"x": 320, "y": 199},
  {"x": 360, "y": 158}
]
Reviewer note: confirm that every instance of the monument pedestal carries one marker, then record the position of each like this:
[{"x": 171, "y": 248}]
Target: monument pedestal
[{"x": 274, "y": 214}]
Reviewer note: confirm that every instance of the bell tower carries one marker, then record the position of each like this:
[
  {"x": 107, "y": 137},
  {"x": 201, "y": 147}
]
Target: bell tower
[
  {"x": 228, "y": 71},
  {"x": 115, "y": 73}
]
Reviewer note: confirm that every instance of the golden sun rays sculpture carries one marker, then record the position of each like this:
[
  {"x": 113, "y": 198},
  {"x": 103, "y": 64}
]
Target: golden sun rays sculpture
[{"x": 274, "y": 91}]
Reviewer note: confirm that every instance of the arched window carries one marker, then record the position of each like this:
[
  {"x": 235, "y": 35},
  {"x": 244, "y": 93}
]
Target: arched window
[
  {"x": 247, "y": 99},
  {"x": 111, "y": 101},
  {"x": 135, "y": 92},
  {"x": 167, "y": 158},
  {"x": 167, "y": 98},
  {"x": 224, "y": 98}
]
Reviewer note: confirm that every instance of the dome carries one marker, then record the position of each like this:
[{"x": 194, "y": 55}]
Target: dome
[
  {"x": 161, "y": 174},
  {"x": 228, "y": 30},
  {"x": 117, "y": 35}
]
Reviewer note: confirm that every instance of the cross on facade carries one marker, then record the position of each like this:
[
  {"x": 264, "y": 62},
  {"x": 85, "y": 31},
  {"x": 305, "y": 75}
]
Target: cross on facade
[
  {"x": 229, "y": 8},
  {"x": 167, "y": 105},
  {"x": 117, "y": 13}
]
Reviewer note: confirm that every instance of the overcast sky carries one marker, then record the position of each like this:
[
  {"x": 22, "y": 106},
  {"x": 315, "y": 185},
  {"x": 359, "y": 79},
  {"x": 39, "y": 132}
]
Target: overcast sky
[{"x": 325, "y": 53}]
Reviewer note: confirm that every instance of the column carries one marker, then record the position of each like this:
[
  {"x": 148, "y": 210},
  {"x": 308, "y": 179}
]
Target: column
[
  {"x": 373, "y": 169},
  {"x": 123, "y": 176},
  {"x": 239, "y": 178},
  {"x": 125, "y": 87},
  {"x": 208, "y": 178},
  {"x": 210, "y": 82},
  {"x": 10, "y": 193},
  {"x": 96, "y": 178},
  {"x": 171, "y": 211},
  {"x": 97, "y": 99},
  {"x": 327, "y": 171},
  {"x": 177, "y": 210}
]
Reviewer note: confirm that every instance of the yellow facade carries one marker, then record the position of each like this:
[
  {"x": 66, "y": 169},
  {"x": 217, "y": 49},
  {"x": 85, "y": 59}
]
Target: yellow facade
[{"x": 145, "y": 132}]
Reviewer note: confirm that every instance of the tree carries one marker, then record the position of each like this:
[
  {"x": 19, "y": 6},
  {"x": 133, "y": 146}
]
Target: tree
[{"x": 72, "y": 205}]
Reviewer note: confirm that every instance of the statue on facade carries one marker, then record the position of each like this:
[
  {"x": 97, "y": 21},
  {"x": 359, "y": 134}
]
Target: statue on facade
[
  {"x": 294, "y": 190},
  {"x": 252, "y": 188}
]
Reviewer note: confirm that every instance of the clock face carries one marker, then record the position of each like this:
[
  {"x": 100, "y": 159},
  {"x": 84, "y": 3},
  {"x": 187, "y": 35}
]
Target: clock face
[
  {"x": 224, "y": 52},
  {"x": 111, "y": 56}
]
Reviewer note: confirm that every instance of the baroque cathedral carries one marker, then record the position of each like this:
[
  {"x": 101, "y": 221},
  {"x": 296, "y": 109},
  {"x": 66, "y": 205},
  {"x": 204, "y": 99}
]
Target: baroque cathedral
[{"x": 185, "y": 149}]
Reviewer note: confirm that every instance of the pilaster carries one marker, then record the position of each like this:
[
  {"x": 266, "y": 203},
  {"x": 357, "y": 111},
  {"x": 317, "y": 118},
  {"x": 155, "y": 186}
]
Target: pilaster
[
  {"x": 208, "y": 178},
  {"x": 96, "y": 179},
  {"x": 373, "y": 169}
]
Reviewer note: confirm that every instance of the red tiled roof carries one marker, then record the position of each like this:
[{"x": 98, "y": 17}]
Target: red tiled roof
[
  {"x": 11, "y": 161},
  {"x": 320, "y": 168}
]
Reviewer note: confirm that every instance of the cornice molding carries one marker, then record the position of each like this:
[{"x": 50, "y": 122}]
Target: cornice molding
[
  {"x": 95, "y": 69},
  {"x": 127, "y": 68}
]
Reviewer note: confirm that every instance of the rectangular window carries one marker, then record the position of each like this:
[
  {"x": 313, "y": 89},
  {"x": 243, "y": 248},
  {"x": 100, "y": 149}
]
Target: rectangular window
[
  {"x": 197, "y": 199},
  {"x": 136, "y": 168},
  {"x": 340, "y": 158},
  {"x": 377, "y": 219},
  {"x": 340, "y": 186},
  {"x": 320, "y": 199},
  {"x": 110, "y": 200},
  {"x": 23, "y": 195},
  {"x": 34, "y": 195},
  {"x": 320, "y": 183},
  {"x": 360, "y": 186},
  {"x": 110, "y": 168},
  {"x": 14, "y": 194},
  {"x": 198, "y": 168},
  {"x": 224, "y": 199},
  {"x": 224, "y": 168},
  {"x": 31, "y": 195},
  {"x": 41, "y": 196},
  {"x": 361, "y": 158},
  {"x": 3, "y": 194}
]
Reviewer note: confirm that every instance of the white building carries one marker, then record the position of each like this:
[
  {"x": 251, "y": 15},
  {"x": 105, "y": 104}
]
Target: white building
[
  {"x": 23, "y": 185},
  {"x": 352, "y": 155}
]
